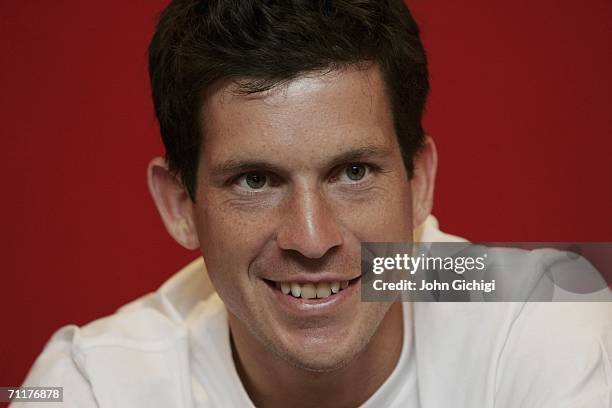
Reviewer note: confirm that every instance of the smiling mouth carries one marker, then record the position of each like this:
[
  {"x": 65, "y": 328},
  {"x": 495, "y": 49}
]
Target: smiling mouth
[{"x": 311, "y": 290}]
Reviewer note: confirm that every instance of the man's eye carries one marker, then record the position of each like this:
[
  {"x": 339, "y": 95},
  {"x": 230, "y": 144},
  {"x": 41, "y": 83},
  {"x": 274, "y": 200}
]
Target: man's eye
[
  {"x": 356, "y": 172},
  {"x": 254, "y": 181}
]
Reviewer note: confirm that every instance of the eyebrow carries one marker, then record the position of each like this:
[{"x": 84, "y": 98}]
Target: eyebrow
[
  {"x": 234, "y": 166},
  {"x": 360, "y": 154}
]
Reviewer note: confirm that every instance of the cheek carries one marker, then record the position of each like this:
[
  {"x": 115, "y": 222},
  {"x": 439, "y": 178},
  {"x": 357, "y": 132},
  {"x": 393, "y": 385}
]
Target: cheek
[
  {"x": 227, "y": 235},
  {"x": 229, "y": 242},
  {"x": 387, "y": 216}
]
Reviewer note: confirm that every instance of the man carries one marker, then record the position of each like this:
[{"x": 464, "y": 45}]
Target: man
[{"x": 293, "y": 134}]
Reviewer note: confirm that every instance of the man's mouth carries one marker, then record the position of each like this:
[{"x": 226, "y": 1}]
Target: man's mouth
[{"x": 311, "y": 290}]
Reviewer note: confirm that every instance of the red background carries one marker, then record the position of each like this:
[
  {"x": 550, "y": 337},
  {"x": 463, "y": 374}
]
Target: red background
[{"x": 520, "y": 110}]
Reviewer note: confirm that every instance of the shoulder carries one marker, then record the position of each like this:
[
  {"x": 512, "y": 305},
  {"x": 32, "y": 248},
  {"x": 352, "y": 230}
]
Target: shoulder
[
  {"x": 557, "y": 352},
  {"x": 527, "y": 353},
  {"x": 90, "y": 362},
  {"x": 104, "y": 362},
  {"x": 55, "y": 366}
]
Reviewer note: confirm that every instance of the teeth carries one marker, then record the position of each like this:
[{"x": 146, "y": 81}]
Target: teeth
[
  {"x": 335, "y": 287},
  {"x": 323, "y": 290},
  {"x": 296, "y": 289},
  {"x": 309, "y": 291}
]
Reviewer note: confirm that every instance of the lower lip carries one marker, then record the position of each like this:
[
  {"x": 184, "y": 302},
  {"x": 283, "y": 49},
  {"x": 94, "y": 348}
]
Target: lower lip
[{"x": 309, "y": 307}]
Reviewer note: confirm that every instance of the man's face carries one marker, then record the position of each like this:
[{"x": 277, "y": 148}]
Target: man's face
[{"x": 290, "y": 182}]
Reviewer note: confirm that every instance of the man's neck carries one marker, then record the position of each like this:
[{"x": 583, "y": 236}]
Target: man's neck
[{"x": 272, "y": 382}]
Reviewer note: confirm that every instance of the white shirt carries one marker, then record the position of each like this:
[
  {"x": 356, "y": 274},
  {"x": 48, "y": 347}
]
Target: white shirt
[{"x": 171, "y": 348}]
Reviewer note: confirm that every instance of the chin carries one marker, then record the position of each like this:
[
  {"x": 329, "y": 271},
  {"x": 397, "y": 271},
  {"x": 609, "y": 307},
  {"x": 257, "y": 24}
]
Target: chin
[
  {"x": 321, "y": 354},
  {"x": 321, "y": 363}
]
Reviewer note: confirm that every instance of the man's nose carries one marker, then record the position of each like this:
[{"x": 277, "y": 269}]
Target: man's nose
[{"x": 309, "y": 226}]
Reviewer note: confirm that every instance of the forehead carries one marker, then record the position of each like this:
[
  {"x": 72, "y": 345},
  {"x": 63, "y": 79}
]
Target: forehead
[{"x": 306, "y": 119}]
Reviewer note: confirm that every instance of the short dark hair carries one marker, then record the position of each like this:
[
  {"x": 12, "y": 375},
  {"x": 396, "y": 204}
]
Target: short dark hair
[{"x": 262, "y": 43}]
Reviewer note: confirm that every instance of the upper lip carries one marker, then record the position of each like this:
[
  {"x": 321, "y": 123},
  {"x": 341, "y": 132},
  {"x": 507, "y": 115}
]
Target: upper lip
[{"x": 312, "y": 278}]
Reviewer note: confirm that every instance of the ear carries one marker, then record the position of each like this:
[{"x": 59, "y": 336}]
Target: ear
[
  {"x": 173, "y": 203},
  {"x": 423, "y": 181}
]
